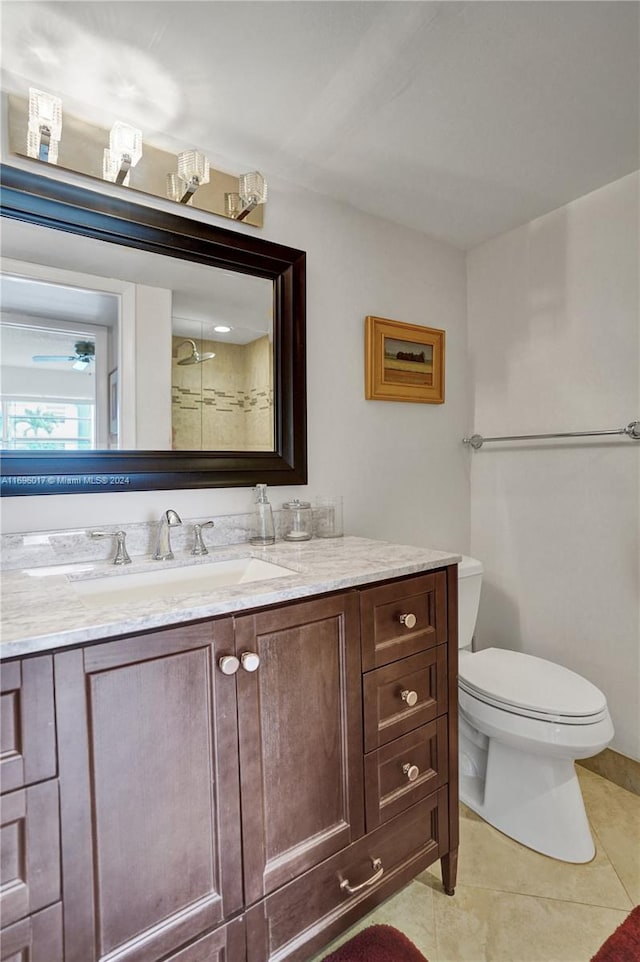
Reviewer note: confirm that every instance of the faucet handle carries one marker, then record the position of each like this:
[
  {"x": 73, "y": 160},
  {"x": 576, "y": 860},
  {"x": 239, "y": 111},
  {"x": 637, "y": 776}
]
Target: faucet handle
[
  {"x": 199, "y": 547},
  {"x": 121, "y": 555}
]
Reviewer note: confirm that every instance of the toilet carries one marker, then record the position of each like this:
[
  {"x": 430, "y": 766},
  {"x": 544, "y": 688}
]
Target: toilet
[{"x": 523, "y": 722}]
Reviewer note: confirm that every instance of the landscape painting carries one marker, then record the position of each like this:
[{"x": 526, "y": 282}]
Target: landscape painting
[
  {"x": 407, "y": 362},
  {"x": 403, "y": 362}
]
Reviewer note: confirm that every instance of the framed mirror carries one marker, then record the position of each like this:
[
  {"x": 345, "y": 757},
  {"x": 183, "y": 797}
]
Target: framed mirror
[{"x": 142, "y": 349}]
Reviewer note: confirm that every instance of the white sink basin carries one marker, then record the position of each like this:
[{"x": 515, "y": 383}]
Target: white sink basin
[{"x": 165, "y": 582}]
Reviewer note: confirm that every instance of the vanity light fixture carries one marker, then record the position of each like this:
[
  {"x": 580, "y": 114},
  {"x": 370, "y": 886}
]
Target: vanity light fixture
[
  {"x": 252, "y": 191},
  {"x": 45, "y": 125},
  {"x": 34, "y": 126},
  {"x": 193, "y": 172},
  {"x": 123, "y": 153},
  {"x": 195, "y": 357}
]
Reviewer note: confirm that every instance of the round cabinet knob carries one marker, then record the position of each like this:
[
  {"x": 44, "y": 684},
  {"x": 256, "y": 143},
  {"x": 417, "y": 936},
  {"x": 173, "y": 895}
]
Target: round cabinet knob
[
  {"x": 411, "y": 697},
  {"x": 411, "y": 771},
  {"x": 409, "y": 620},
  {"x": 250, "y": 661},
  {"x": 228, "y": 664}
]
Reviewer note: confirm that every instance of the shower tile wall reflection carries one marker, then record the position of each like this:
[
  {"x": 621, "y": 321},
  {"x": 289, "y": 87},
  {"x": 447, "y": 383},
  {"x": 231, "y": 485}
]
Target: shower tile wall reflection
[{"x": 225, "y": 403}]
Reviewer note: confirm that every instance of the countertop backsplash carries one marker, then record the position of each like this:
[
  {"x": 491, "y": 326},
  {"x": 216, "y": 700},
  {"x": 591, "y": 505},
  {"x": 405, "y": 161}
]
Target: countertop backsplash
[{"x": 34, "y": 548}]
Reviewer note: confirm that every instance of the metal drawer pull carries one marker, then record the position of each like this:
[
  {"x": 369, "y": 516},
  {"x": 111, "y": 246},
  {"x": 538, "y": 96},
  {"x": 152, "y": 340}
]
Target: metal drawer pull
[
  {"x": 228, "y": 664},
  {"x": 250, "y": 661},
  {"x": 411, "y": 697},
  {"x": 409, "y": 621},
  {"x": 378, "y": 872},
  {"x": 411, "y": 771}
]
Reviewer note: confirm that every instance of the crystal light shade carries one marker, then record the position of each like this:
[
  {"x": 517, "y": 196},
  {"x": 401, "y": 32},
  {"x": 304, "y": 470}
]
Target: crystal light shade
[
  {"x": 175, "y": 187},
  {"x": 193, "y": 165},
  {"x": 45, "y": 125},
  {"x": 253, "y": 189},
  {"x": 193, "y": 172},
  {"x": 232, "y": 204},
  {"x": 125, "y": 139},
  {"x": 123, "y": 153}
]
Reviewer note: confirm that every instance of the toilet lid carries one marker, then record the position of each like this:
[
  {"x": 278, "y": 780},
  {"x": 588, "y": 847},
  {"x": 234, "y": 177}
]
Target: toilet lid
[{"x": 527, "y": 683}]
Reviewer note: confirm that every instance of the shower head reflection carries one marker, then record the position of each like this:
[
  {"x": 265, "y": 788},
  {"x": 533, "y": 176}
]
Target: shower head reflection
[{"x": 195, "y": 357}]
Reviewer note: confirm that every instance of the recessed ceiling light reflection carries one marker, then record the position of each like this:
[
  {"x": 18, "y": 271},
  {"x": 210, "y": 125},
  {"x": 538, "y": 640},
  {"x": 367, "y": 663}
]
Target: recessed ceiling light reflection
[{"x": 222, "y": 329}]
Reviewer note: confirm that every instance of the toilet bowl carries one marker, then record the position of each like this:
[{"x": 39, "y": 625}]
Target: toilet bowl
[{"x": 523, "y": 723}]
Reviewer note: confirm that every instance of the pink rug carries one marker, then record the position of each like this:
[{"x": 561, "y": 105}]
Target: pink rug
[
  {"x": 379, "y": 943},
  {"x": 624, "y": 944}
]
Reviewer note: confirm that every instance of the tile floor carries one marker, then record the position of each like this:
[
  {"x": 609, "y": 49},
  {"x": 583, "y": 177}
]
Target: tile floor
[{"x": 514, "y": 905}]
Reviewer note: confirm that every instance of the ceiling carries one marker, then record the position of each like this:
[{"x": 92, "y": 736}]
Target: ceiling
[
  {"x": 459, "y": 119},
  {"x": 201, "y": 296}
]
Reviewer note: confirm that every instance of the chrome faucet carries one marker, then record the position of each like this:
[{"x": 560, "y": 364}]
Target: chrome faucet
[
  {"x": 121, "y": 555},
  {"x": 199, "y": 547},
  {"x": 163, "y": 550}
]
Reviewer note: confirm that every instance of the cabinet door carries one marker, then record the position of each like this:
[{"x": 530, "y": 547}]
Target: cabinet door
[
  {"x": 300, "y": 724},
  {"x": 148, "y": 792}
]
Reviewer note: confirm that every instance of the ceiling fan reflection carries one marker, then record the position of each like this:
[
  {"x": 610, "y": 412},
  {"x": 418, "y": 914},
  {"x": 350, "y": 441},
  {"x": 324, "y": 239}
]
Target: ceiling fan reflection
[{"x": 85, "y": 353}]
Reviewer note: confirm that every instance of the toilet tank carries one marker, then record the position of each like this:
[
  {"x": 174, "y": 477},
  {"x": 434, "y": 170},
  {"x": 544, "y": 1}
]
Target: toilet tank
[{"x": 469, "y": 582}]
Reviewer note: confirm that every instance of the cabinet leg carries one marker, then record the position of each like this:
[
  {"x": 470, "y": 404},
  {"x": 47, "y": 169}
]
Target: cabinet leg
[{"x": 449, "y": 866}]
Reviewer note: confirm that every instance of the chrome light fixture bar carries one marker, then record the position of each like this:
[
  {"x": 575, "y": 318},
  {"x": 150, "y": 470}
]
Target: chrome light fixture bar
[{"x": 35, "y": 131}]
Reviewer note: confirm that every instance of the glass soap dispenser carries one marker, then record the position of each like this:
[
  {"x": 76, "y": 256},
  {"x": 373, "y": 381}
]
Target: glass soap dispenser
[{"x": 263, "y": 531}]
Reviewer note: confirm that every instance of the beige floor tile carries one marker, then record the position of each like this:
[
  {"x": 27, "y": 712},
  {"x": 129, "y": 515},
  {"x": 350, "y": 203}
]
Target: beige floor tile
[
  {"x": 411, "y": 911},
  {"x": 491, "y": 860},
  {"x": 614, "y": 814},
  {"x": 480, "y": 925}
]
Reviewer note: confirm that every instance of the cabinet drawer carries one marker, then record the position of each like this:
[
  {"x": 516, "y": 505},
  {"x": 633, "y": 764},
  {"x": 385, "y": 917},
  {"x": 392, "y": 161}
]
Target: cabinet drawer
[
  {"x": 30, "y": 847},
  {"x": 37, "y": 938},
  {"x": 27, "y": 731},
  {"x": 306, "y": 914},
  {"x": 388, "y": 788},
  {"x": 389, "y": 691},
  {"x": 386, "y": 636}
]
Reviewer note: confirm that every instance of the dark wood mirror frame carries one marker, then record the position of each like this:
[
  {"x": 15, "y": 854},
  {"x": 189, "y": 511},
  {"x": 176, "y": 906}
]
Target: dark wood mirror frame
[{"x": 52, "y": 203}]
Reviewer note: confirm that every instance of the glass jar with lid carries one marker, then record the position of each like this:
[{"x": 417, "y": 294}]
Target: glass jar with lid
[{"x": 297, "y": 520}]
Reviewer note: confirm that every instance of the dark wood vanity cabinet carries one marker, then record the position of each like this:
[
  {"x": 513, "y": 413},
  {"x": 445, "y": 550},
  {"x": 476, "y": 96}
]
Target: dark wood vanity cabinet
[{"x": 250, "y": 816}]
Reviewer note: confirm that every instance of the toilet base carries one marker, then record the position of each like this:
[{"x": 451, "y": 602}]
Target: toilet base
[{"x": 532, "y": 798}]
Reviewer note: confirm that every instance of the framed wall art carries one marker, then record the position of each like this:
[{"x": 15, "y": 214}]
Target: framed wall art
[{"x": 403, "y": 362}]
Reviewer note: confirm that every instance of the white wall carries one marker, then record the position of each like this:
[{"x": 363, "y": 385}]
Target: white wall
[
  {"x": 401, "y": 467},
  {"x": 554, "y": 346},
  {"x": 153, "y": 368}
]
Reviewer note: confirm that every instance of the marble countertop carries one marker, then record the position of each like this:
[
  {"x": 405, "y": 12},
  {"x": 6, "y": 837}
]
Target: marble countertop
[{"x": 42, "y": 611}]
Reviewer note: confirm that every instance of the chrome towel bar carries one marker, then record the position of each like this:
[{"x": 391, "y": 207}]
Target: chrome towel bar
[{"x": 632, "y": 430}]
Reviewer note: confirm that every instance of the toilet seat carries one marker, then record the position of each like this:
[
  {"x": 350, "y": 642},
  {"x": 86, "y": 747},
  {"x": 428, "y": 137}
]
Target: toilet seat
[{"x": 533, "y": 687}]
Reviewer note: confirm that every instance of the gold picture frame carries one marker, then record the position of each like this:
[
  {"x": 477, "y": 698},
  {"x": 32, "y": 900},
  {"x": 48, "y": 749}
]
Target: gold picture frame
[{"x": 403, "y": 362}]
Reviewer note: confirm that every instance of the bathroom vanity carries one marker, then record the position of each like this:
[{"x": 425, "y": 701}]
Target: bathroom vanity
[{"x": 235, "y": 775}]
